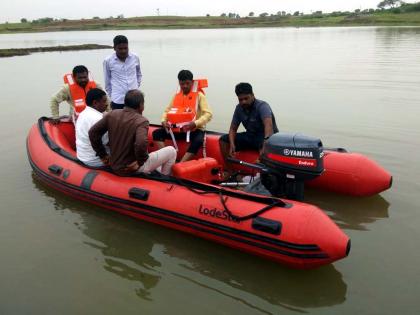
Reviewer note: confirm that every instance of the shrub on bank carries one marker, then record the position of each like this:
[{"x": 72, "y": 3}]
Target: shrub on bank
[{"x": 413, "y": 7}]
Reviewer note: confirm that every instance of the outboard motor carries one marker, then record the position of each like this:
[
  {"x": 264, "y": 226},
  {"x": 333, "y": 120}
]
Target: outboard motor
[{"x": 290, "y": 160}]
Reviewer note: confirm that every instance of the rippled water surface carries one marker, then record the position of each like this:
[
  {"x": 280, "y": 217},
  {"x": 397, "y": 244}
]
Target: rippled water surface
[{"x": 357, "y": 88}]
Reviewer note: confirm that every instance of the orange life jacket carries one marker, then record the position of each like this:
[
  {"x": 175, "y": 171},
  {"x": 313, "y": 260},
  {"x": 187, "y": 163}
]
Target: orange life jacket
[
  {"x": 185, "y": 107},
  {"x": 78, "y": 94}
]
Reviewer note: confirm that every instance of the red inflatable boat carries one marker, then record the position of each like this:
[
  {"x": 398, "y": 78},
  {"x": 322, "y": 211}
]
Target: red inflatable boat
[{"x": 289, "y": 232}]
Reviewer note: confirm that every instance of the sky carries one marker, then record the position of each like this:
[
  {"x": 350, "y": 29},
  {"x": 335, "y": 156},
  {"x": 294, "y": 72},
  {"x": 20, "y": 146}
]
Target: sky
[{"x": 14, "y": 10}]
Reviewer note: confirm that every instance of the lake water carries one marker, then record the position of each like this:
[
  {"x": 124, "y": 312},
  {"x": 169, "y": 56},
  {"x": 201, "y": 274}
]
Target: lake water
[{"x": 357, "y": 88}]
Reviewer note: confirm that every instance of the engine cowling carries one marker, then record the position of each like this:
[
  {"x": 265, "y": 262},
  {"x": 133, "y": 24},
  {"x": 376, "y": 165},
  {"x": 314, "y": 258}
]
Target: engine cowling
[{"x": 291, "y": 159}]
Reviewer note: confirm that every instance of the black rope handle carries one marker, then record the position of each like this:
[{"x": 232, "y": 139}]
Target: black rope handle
[
  {"x": 225, "y": 207},
  {"x": 248, "y": 216}
]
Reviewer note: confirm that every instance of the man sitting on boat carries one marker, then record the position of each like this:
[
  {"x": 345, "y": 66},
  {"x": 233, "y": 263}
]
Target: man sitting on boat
[
  {"x": 257, "y": 118},
  {"x": 187, "y": 113},
  {"x": 76, "y": 86},
  {"x": 127, "y": 131},
  {"x": 97, "y": 103}
]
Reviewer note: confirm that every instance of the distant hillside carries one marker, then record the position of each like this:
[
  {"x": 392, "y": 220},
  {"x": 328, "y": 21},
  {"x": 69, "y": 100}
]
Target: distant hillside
[{"x": 404, "y": 15}]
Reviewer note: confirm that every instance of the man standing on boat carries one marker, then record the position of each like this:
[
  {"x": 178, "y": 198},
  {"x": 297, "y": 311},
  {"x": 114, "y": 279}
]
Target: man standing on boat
[
  {"x": 96, "y": 102},
  {"x": 188, "y": 112},
  {"x": 127, "y": 130},
  {"x": 257, "y": 118},
  {"x": 121, "y": 71},
  {"x": 76, "y": 85}
]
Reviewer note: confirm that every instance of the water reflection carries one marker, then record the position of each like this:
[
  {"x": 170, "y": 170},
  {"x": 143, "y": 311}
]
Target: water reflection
[
  {"x": 354, "y": 213},
  {"x": 126, "y": 252},
  {"x": 396, "y": 33},
  {"x": 291, "y": 289},
  {"x": 146, "y": 254}
]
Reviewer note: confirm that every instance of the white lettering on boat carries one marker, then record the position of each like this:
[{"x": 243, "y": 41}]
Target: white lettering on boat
[{"x": 298, "y": 153}]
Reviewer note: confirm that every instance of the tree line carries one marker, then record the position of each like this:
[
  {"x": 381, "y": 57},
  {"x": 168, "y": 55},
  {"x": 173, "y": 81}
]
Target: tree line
[
  {"x": 394, "y": 6},
  {"x": 47, "y": 20}
]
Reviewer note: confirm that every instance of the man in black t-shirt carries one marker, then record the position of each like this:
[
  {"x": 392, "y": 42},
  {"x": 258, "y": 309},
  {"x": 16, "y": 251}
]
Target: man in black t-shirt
[{"x": 257, "y": 118}]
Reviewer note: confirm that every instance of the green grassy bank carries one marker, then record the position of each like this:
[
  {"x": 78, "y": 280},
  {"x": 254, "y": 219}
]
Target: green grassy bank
[{"x": 385, "y": 18}]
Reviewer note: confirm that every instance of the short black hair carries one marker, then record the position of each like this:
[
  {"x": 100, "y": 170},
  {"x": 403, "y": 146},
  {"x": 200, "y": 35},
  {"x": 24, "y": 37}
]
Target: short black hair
[
  {"x": 94, "y": 95},
  {"x": 134, "y": 99},
  {"x": 184, "y": 75},
  {"x": 120, "y": 39},
  {"x": 243, "y": 88},
  {"x": 79, "y": 69}
]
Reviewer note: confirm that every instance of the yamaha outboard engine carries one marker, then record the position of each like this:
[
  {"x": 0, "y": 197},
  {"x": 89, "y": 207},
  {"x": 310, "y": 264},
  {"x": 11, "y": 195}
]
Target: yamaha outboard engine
[{"x": 290, "y": 160}]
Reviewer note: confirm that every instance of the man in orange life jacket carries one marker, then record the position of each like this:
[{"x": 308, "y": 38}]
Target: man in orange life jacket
[
  {"x": 192, "y": 101},
  {"x": 76, "y": 86}
]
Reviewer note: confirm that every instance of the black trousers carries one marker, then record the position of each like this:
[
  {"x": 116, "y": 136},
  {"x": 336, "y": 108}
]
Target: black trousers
[
  {"x": 245, "y": 141},
  {"x": 116, "y": 106},
  {"x": 196, "y": 138}
]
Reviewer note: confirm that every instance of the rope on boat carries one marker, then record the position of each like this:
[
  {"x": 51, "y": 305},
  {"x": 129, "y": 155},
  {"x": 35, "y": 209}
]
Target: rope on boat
[
  {"x": 248, "y": 216},
  {"x": 225, "y": 207},
  {"x": 205, "y": 145}
]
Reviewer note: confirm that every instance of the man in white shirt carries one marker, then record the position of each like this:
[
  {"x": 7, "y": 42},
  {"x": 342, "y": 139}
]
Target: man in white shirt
[
  {"x": 121, "y": 71},
  {"x": 96, "y": 102}
]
